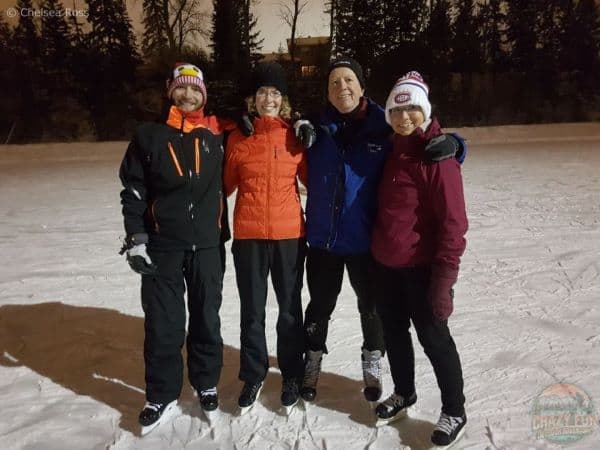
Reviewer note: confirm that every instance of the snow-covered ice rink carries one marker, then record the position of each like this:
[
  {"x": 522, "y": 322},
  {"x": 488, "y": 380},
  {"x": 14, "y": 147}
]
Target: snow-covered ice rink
[{"x": 527, "y": 310}]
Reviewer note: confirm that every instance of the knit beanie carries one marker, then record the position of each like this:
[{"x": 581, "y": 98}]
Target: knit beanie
[
  {"x": 353, "y": 65},
  {"x": 409, "y": 90},
  {"x": 269, "y": 74},
  {"x": 184, "y": 74}
]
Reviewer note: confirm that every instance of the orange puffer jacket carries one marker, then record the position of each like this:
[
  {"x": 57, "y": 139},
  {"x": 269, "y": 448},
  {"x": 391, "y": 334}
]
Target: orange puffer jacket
[{"x": 264, "y": 168}]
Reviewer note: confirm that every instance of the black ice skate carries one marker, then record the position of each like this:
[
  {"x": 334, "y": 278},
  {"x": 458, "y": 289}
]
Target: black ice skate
[
  {"x": 290, "y": 394},
  {"x": 209, "y": 402},
  {"x": 312, "y": 370},
  {"x": 248, "y": 396},
  {"x": 393, "y": 408},
  {"x": 448, "y": 430},
  {"x": 153, "y": 414}
]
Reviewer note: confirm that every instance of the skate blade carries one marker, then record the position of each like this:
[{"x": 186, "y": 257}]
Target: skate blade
[
  {"x": 168, "y": 413},
  {"x": 288, "y": 410},
  {"x": 244, "y": 409},
  {"x": 382, "y": 422},
  {"x": 451, "y": 444},
  {"x": 210, "y": 415}
]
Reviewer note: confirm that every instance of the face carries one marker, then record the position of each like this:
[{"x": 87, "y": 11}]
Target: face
[
  {"x": 188, "y": 98},
  {"x": 268, "y": 101},
  {"x": 406, "y": 119},
  {"x": 344, "y": 91}
]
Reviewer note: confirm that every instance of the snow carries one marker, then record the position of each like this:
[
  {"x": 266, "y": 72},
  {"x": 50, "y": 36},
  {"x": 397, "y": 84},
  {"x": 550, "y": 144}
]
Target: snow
[{"x": 527, "y": 310}]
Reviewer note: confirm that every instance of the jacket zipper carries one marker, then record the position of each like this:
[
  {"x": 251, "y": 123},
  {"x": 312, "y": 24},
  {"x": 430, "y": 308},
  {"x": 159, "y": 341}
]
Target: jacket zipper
[
  {"x": 335, "y": 213},
  {"x": 267, "y": 221},
  {"x": 154, "y": 219}
]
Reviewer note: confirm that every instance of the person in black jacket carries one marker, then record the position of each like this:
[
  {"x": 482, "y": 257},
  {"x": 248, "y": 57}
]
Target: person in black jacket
[{"x": 172, "y": 207}]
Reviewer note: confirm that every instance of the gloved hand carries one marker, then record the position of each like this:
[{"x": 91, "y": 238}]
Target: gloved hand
[
  {"x": 305, "y": 133},
  {"x": 441, "y": 292},
  {"x": 446, "y": 146},
  {"x": 246, "y": 125},
  {"x": 137, "y": 256}
]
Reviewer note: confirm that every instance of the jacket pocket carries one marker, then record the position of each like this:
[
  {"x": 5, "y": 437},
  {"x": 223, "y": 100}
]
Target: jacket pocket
[{"x": 175, "y": 160}]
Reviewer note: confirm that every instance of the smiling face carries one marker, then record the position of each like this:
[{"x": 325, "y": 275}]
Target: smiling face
[
  {"x": 188, "y": 97},
  {"x": 406, "y": 119},
  {"x": 268, "y": 101},
  {"x": 344, "y": 90}
]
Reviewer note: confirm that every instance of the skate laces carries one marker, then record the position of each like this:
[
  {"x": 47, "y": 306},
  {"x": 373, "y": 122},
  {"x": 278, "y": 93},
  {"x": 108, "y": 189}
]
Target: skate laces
[
  {"x": 447, "y": 424},
  {"x": 371, "y": 366},
  {"x": 312, "y": 369},
  {"x": 209, "y": 391},
  {"x": 153, "y": 406},
  {"x": 251, "y": 389},
  {"x": 290, "y": 385},
  {"x": 394, "y": 401}
]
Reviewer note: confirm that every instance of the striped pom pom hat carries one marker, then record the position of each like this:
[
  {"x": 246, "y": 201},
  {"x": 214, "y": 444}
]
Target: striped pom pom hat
[
  {"x": 184, "y": 74},
  {"x": 410, "y": 89}
]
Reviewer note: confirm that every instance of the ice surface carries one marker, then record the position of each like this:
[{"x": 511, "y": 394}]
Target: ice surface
[{"x": 527, "y": 309}]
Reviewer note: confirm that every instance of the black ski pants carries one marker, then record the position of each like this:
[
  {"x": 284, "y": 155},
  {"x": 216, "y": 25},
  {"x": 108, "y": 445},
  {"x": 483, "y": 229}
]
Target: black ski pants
[
  {"x": 254, "y": 259},
  {"x": 402, "y": 298},
  {"x": 324, "y": 275},
  {"x": 165, "y": 321}
]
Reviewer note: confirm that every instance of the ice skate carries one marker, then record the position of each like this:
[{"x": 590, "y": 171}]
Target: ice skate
[
  {"x": 371, "y": 367},
  {"x": 248, "y": 396},
  {"x": 312, "y": 370},
  {"x": 153, "y": 414},
  {"x": 209, "y": 402},
  {"x": 393, "y": 408},
  {"x": 448, "y": 431},
  {"x": 290, "y": 394}
]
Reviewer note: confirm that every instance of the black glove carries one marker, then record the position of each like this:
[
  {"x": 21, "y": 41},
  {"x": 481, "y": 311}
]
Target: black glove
[
  {"x": 305, "y": 133},
  {"x": 441, "y": 147},
  {"x": 137, "y": 257},
  {"x": 245, "y": 124}
]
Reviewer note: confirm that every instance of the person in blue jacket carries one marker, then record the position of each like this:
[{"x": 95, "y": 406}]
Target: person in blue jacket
[{"x": 345, "y": 163}]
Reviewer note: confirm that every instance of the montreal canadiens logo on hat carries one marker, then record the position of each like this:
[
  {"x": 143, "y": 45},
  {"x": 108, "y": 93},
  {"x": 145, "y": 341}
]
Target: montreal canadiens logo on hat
[{"x": 402, "y": 97}]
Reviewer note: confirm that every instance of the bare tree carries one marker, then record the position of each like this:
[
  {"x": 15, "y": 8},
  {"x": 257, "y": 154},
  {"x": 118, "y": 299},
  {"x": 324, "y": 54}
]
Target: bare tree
[
  {"x": 172, "y": 24},
  {"x": 289, "y": 12}
]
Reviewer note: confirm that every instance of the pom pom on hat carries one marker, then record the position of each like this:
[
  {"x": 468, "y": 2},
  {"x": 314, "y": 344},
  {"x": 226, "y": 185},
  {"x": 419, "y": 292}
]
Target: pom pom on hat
[
  {"x": 184, "y": 74},
  {"x": 410, "y": 89}
]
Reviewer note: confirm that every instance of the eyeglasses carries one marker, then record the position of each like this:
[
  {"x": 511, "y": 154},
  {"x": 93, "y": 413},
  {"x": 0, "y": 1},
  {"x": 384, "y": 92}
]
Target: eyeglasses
[
  {"x": 263, "y": 93},
  {"x": 409, "y": 109}
]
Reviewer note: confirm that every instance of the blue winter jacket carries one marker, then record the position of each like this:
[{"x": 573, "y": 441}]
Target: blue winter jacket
[{"x": 344, "y": 168}]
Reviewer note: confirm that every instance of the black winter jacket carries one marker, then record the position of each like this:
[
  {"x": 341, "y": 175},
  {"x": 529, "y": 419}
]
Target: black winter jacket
[{"x": 173, "y": 186}]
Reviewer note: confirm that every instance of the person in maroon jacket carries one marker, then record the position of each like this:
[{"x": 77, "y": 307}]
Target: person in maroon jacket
[{"x": 417, "y": 243}]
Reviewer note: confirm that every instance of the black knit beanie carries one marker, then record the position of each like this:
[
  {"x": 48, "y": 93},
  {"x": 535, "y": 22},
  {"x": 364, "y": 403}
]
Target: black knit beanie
[
  {"x": 353, "y": 65},
  {"x": 269, "y": 74}
]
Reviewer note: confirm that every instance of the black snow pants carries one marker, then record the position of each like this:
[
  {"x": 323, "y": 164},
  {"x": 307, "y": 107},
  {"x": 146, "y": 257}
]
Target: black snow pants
[
  {"x": 165, "y": 319},
  {"x": 254, "y": 259}
]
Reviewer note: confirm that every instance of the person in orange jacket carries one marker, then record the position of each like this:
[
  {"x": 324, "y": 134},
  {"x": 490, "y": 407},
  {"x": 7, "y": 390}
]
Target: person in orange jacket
[{"x": 268, "y": 230}]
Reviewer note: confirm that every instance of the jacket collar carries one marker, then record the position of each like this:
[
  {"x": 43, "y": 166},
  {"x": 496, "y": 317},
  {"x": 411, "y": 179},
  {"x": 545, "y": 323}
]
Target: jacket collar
[
  {"x": 373, "y": 120},
  {"x": 186, "y": 122}
]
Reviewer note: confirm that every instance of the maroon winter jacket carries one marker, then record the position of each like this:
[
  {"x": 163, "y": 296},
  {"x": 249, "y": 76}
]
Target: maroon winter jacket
[{"x": 421, "y": 218}]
